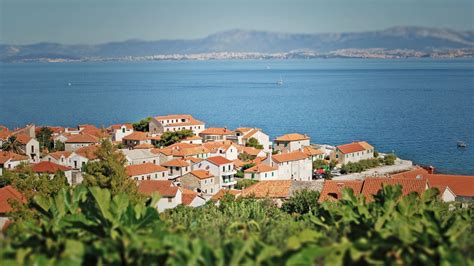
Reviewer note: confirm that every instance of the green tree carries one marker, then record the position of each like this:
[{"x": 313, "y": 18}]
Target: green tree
[
  {"x": 45, "y": 139},
  {"x": 302, "y": 202},
  {"x": 253, "y": 142},
  {"x": 108, "y": 171},
  {"x": 244, "y": 183},
  {"x": 12, "y": 144},
  {"x": 389, "y": 159},
  {"x": 169, "y": 138},
  {"x": 59, "y": 146},
  {"x": 319, "y": 164},
  {"x": 142, "y": 125}
]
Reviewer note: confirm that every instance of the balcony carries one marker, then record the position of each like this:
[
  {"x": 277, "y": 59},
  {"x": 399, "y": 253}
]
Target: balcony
[{"x": 228, "y": 173}]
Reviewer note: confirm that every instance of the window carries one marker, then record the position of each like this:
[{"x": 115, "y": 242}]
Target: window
[
  {"x": 170, "y": 199},
  {"x": 273, "y": 173},
  {"x": 123, "y": 130}
]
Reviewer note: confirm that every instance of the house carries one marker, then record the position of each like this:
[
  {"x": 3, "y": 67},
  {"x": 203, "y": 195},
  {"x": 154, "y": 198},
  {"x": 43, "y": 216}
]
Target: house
[
  {"x": 279, "y": 190},
  {"x": 291, "y": 142},
  {"x": 244, "y": 134},
  {"x": 191, "y": 198},
  {"x": 295, "y": 165},
  {"x": 451, "y": 187},
  {"x": 170, "y": 194},
  {"x": 353, "y": 152},
  {"x": 83, "y": 155},
  {"x": 177, "y": 168},
  {"x": 147, "y": 171},
  {"x": 192, "y": 140},
  {"x": 8, "y": 195},
  {"x": 140, "y": 156},
  {"x": 216, "y": 134},
  {"x": 315, "y": 154},
  {"x": 373, "y": 185},
  {"x": 222, "y": 169},
  {"x": 93, "y": 131},
  {"x": 181, "y": 150},
  {"x": 226, "y": 149},
  {"x": 136, "y": 138},
  {"x": 200, "y": 181},
  {"x": 5, "y": 133},
  {"x": 77, "y": 141},
  {"x": 28, "y": 130},
  {"x": 10, "y": 160},
  {"x": 261, "y": 172},
  {"x": 59, "y": 157},
  {"x": 252, "y": 152},
  {"x": 332, "y": 189},
  {"x": 223, "y": 192},
  {"x": 51, "y": 169},
  {"x": 171, "y": 123},
  {"x": 29, "y": 146},
  {"x": 119, "y": 131}
]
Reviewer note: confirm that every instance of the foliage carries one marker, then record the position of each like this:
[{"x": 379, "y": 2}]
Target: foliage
[
  {"x": 58, "y": 146},
  {"x": 45, "y": 139},
  {"x": 389, "y": 159},
  {"x": 246, "y": 157},
  {"x": 376, "y": 154},
  {"x": 12, "y": 144},
  {"x": 301, "y": 202},
  {"x": 253, "y": 142},
  {"x": 142, "y": 125},
  {"x": 169, "y": 138},
  {"x": 318, "y": 164},
  {"x": 108, "y": 171},
  {"x": 243, "y": 183}
]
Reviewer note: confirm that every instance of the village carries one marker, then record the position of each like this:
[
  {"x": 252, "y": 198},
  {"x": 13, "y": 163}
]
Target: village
[{"x": 195, "y": 164}]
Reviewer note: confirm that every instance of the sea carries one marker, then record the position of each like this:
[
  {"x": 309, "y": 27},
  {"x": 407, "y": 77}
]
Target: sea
[{"x": 416, "y": 108}]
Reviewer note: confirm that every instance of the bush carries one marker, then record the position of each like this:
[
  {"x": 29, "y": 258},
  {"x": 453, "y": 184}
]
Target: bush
[
  {"x": 389, "y": 159},
  {"x": 243, "y": 183}
]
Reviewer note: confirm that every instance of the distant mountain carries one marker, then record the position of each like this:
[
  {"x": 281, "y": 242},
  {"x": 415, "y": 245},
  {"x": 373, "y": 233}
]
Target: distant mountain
[{"x": 415, "y": 38}]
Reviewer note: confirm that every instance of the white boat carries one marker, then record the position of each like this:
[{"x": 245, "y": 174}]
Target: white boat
[{"x": 280, "y": 81}]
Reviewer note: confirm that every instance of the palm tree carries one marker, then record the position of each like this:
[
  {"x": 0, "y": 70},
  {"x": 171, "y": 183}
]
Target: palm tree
[{"x": 12, "y": 144}]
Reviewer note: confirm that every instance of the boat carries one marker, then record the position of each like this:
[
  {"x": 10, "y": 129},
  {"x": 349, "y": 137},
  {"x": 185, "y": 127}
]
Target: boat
[
  {"x": 280, "y": 81},
  {"x": 461, "y": 144}
]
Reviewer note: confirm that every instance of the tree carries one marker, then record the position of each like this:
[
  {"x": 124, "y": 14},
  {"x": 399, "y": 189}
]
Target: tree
[
  {"x": 244, "y": 183},
  {"x": 12, "y": 144},
  {"x": 302, "y": 202},
  {"x": 44, "y": 138},
  {"x": 142, "y": 125},
  {"x": 389, "y": 159},
  {"x": 59, "y": 146},
  {"x": 246, "y": 157},
  {"x": 318, "y": 164},
  {"x": 253, "y": 142},
  {"x": 109, "y": 171},
  {"x": 169, "y": 138}
]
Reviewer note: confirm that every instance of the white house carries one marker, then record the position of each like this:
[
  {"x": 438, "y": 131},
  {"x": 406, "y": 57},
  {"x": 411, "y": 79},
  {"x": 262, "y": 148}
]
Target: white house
[
  {"x": 140, "y": 156},
  {"x": 226, "y": 149},
  {"x": 177, "y": 168},
  {"x": 136, "y": 138},
  {"x": 291, "y": 142},
  {"x": 353, "y": 152},
  {"x": 170, "y": 194},
  {"x": 191, "y": 198},
  {"x": 51, "y": 169},
  {"x": 59, "y": 157},
  {"x": 120, "y": 131},
  {"x": 171, "y": 123},
  {"x": 261, "y": 172},
  {"x": 29, "y": 146},
  {"x": 80, "y": 157},
  {"x": 147, "y": 171},
  {"x": 8, "y": 195},
  {"x": 222, "y": 169},
  {"x": 200, "y": 181},
  {"x": 10, "y": 160},
  {"x": 192, "y": 140},
  {"x": 295, "y": 165},
  {"x": 77, "y": 141},
  {"x": 315, "y": 154},
  {"x": 243, "y": 134},
  {"x": 216, "y": 134}
]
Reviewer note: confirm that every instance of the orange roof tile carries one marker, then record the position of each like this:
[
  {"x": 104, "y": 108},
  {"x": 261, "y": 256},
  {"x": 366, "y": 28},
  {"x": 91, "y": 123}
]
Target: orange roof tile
[
  {"x": 9, "y": 193},
  {"x": 269, "y": 189},
  {"x": 57, "y": 154},
  {"x": 292, "y": 137},
  {"x": 218, "y": 160},
  {"x": 333, "y": 188},
  {"x": 238, "y": 163},
  {"x": 354, "y": 147},
  {"x": 143, "y": 169},
  {"x": 291, "y": 156},
  {"x": 310, "y": 151},
  {"x": 460, "y": 185},
  {"x": 8, "y": 155},
  {"x": 260, "y": 168},
  {"x": 82, "y": 138},
  {"x": 189, "y": 120},
  {"x": 372, "y": 185},
  {"x": 23, "y": 139},
  {"x": 201, "y": 174},
  {"x": 217, "y": 131},
  {"x": 137, "y": 135},
  {"x": 188, "y": 196},
  {"x": 221, "y": 193},
  {"x": 175, "y": 163},
  {"x": 49, "y": 167},
  {"x": 164, "y": 188},
  {"x": 193, "y": 159},
  {"x": 417, "y": 172},
  {"x": 88, "y": 152}
]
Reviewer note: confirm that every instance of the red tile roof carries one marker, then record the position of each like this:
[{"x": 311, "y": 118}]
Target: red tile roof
[
  {"x": 137, "y": 135},
  {"x": 217, "y": 131},
  {"x": 221, "y": 193},
  {"x": 292, "y": 137},
  {"x": 9, "y": 193},
  {"x": 82, "y": 138},
  {"x": 417, "y": 172},
  {"x": 218, "y": 160},
  {"x": 201, "y": 174},
  {"x": 164, "y": 188},
  {"x": 269, "y": 189},
  {"x": 460, "y": 185},
  {"x": 7, "y": 155},
  {"x": 373, "y": 185},
  {"x": 333, "y": 188},
  {"x": 143, "y": 169},
  {"x": 260, "y": 168},
  {"x": 291, "y": 156},
  {"x": 310, "y": 151},
  {"x": 57, "y": 154},
  {"x": 88, "y": 152},
  {"x": 354, "y": 147},
  {"x": 49, "y": 167},
  {"x": 175, "y": 163},
  {"x": 23, "y": 139},
  {"x": 188, "y": 196}
]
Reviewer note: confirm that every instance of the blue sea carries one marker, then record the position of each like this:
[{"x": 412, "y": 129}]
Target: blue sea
[{"x": 418, "y": 108}]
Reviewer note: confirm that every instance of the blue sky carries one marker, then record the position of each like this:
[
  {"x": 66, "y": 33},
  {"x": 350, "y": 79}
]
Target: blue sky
[{"x": 98, "y": 21}]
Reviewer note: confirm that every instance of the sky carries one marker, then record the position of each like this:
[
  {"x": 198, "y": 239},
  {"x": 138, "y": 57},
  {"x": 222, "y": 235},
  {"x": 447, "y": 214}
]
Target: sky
[{"x": 99, "y": 21}]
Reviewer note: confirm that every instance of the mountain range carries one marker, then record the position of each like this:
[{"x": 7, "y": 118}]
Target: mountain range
[{"x": 251, "y": 41}]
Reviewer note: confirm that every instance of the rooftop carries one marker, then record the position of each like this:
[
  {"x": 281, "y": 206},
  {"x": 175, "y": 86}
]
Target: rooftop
[
  {"x": 164, "y": 188},
  {"x": 292, "y": 137},
  {"x": 291, "y": 156},
  {"x": 143, "y": 169},
  {"x": 49, "y": 167}
]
